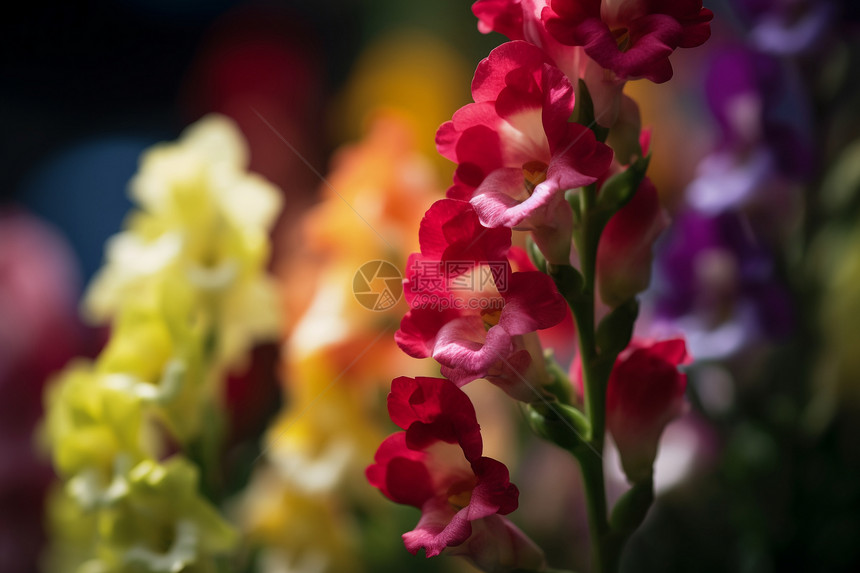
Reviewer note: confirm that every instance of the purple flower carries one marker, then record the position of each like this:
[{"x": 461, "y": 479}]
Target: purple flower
[
  {"x": 787, "y": 27},
  {"x": 717, "y": 283},
  {"x": 763, "y": 148}
]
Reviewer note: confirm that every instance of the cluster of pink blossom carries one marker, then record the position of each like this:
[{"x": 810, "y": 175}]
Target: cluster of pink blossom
[{"x": 550, "y": 147}]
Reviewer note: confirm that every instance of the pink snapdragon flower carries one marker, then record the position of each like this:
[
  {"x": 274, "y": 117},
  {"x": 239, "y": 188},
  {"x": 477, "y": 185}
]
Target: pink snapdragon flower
[
  {"x": 436, "y": 465},
  {"x": 521, "y": 20},
  {"x": 473, "y": 315},
  {"x": 515, "y": 148},
  {"x": 632, "y": 38}
]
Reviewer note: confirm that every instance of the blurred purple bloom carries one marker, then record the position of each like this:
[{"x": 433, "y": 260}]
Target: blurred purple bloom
[
  {"x": 763, "y": 148},
  {"x": 787, "y": 27},
  {"x": 716, "y": 282}
]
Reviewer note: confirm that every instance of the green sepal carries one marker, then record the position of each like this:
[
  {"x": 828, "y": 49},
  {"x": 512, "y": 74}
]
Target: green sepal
[
  {"x": 620, "y": 188},
  {"x": 583, "y": 112},
  {"x": 569, "y": 282},
  {"x": 559, "y": 423},
  {"x": 572, "y": 198},
  {"x": 632, "y": 507},
  {"x": 615, "y": 331},
  {"x": 559, "y": 385},
  {"x": 535, "y": 254}
]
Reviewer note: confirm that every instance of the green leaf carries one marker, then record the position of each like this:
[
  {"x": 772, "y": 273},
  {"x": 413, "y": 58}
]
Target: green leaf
[
  {"x": 583, "y": 112},
  {"x": 569, "y": 282}
]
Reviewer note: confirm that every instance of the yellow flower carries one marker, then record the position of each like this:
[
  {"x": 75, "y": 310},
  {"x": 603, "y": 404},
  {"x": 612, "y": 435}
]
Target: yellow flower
[
  {"x": 171, "y": 377},
  {"x": 150, "y": 518},
  {"x": 186, "y": 289},
  {"x": 91, "y": 420},
  {"x": 299, "y": 531},
  {"x": 413, "y": 75},
  {"x": 340, "y": 357},
  {"x": 203, "y": 220}
]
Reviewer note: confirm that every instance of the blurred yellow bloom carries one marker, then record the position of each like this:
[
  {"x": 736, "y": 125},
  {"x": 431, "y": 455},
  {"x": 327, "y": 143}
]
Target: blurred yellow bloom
[
  {"x": 151, "y": 518},
  {"x": 410, "y": 74},
  {"x": 89, "y": 422},
  {"x": 186, "y": 290},
  {"x": 301, "y": 532},
  {"x": 204, "y": 221},
  {"x": 339, "y": 356},
  {"x": 324, "y": 437}
]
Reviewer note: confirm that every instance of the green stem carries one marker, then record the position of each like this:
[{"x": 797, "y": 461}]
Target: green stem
[
  {"x": 578, "y": 289},
  {"x": 594, "y": 381},
  {"x": 602, "y": 560}
]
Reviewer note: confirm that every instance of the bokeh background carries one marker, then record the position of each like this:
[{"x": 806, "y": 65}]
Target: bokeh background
[{"x": 762, "y": 474}]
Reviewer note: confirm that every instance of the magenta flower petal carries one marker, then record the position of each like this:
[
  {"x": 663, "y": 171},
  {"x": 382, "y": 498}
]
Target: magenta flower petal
[
  {"x": 395, "y": 467},
  {"x": 624, "y": 255},
  {"x": 499, "y": 199},
  {"x": 419, "y": 329},
  {"x": 633, "y": 39},
  {"x": 441, "y": 526},
  {"x": 532, "y": 303},
  {"x": 502, "y": 16},
  {"x": 515, "y": 148},
  {"x": 436, "y": 465},
  {"x": 433, "y": 412},
  {"x": 451, "y": 230},
  {"x": 465, "y": 343}
]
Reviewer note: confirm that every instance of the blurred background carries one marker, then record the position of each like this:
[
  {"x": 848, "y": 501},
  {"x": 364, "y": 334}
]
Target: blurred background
[{"x": 755, "y": 154}]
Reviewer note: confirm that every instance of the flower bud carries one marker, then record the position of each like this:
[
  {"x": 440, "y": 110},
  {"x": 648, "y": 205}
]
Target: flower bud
[
  {"x": 645, "y": 392},
  {"x": 624, "y": 254}
]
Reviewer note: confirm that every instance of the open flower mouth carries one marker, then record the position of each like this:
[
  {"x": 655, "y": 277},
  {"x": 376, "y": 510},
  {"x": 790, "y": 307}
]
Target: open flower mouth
[
  {"x": 534, "y": 173},
  {"x": 622, "y": 38},
  {"x": 461, "y": 499},
  {"x": 490, "y": 317}
]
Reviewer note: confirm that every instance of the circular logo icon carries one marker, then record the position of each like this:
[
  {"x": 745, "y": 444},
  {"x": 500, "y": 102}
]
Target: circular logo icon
[{"x": 377, "y": 285}]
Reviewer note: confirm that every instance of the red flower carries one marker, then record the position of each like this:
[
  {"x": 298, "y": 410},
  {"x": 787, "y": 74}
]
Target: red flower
[
  {"x": 469, "y": 310},
  {"x": 515, "y": 148},
  {"x": 437, "y": 466},
  {"x": 633, "y": 38},
  {"x": 521, "y": 20}
]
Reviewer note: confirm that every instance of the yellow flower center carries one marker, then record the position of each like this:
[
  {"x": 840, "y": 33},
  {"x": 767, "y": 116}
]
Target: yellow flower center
[
  {"x": 490, "y": 317},
  {"x": 534, "y": 173},
  {"x": 460, "y": 500},
  {"x": 622, "y": 38}
]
